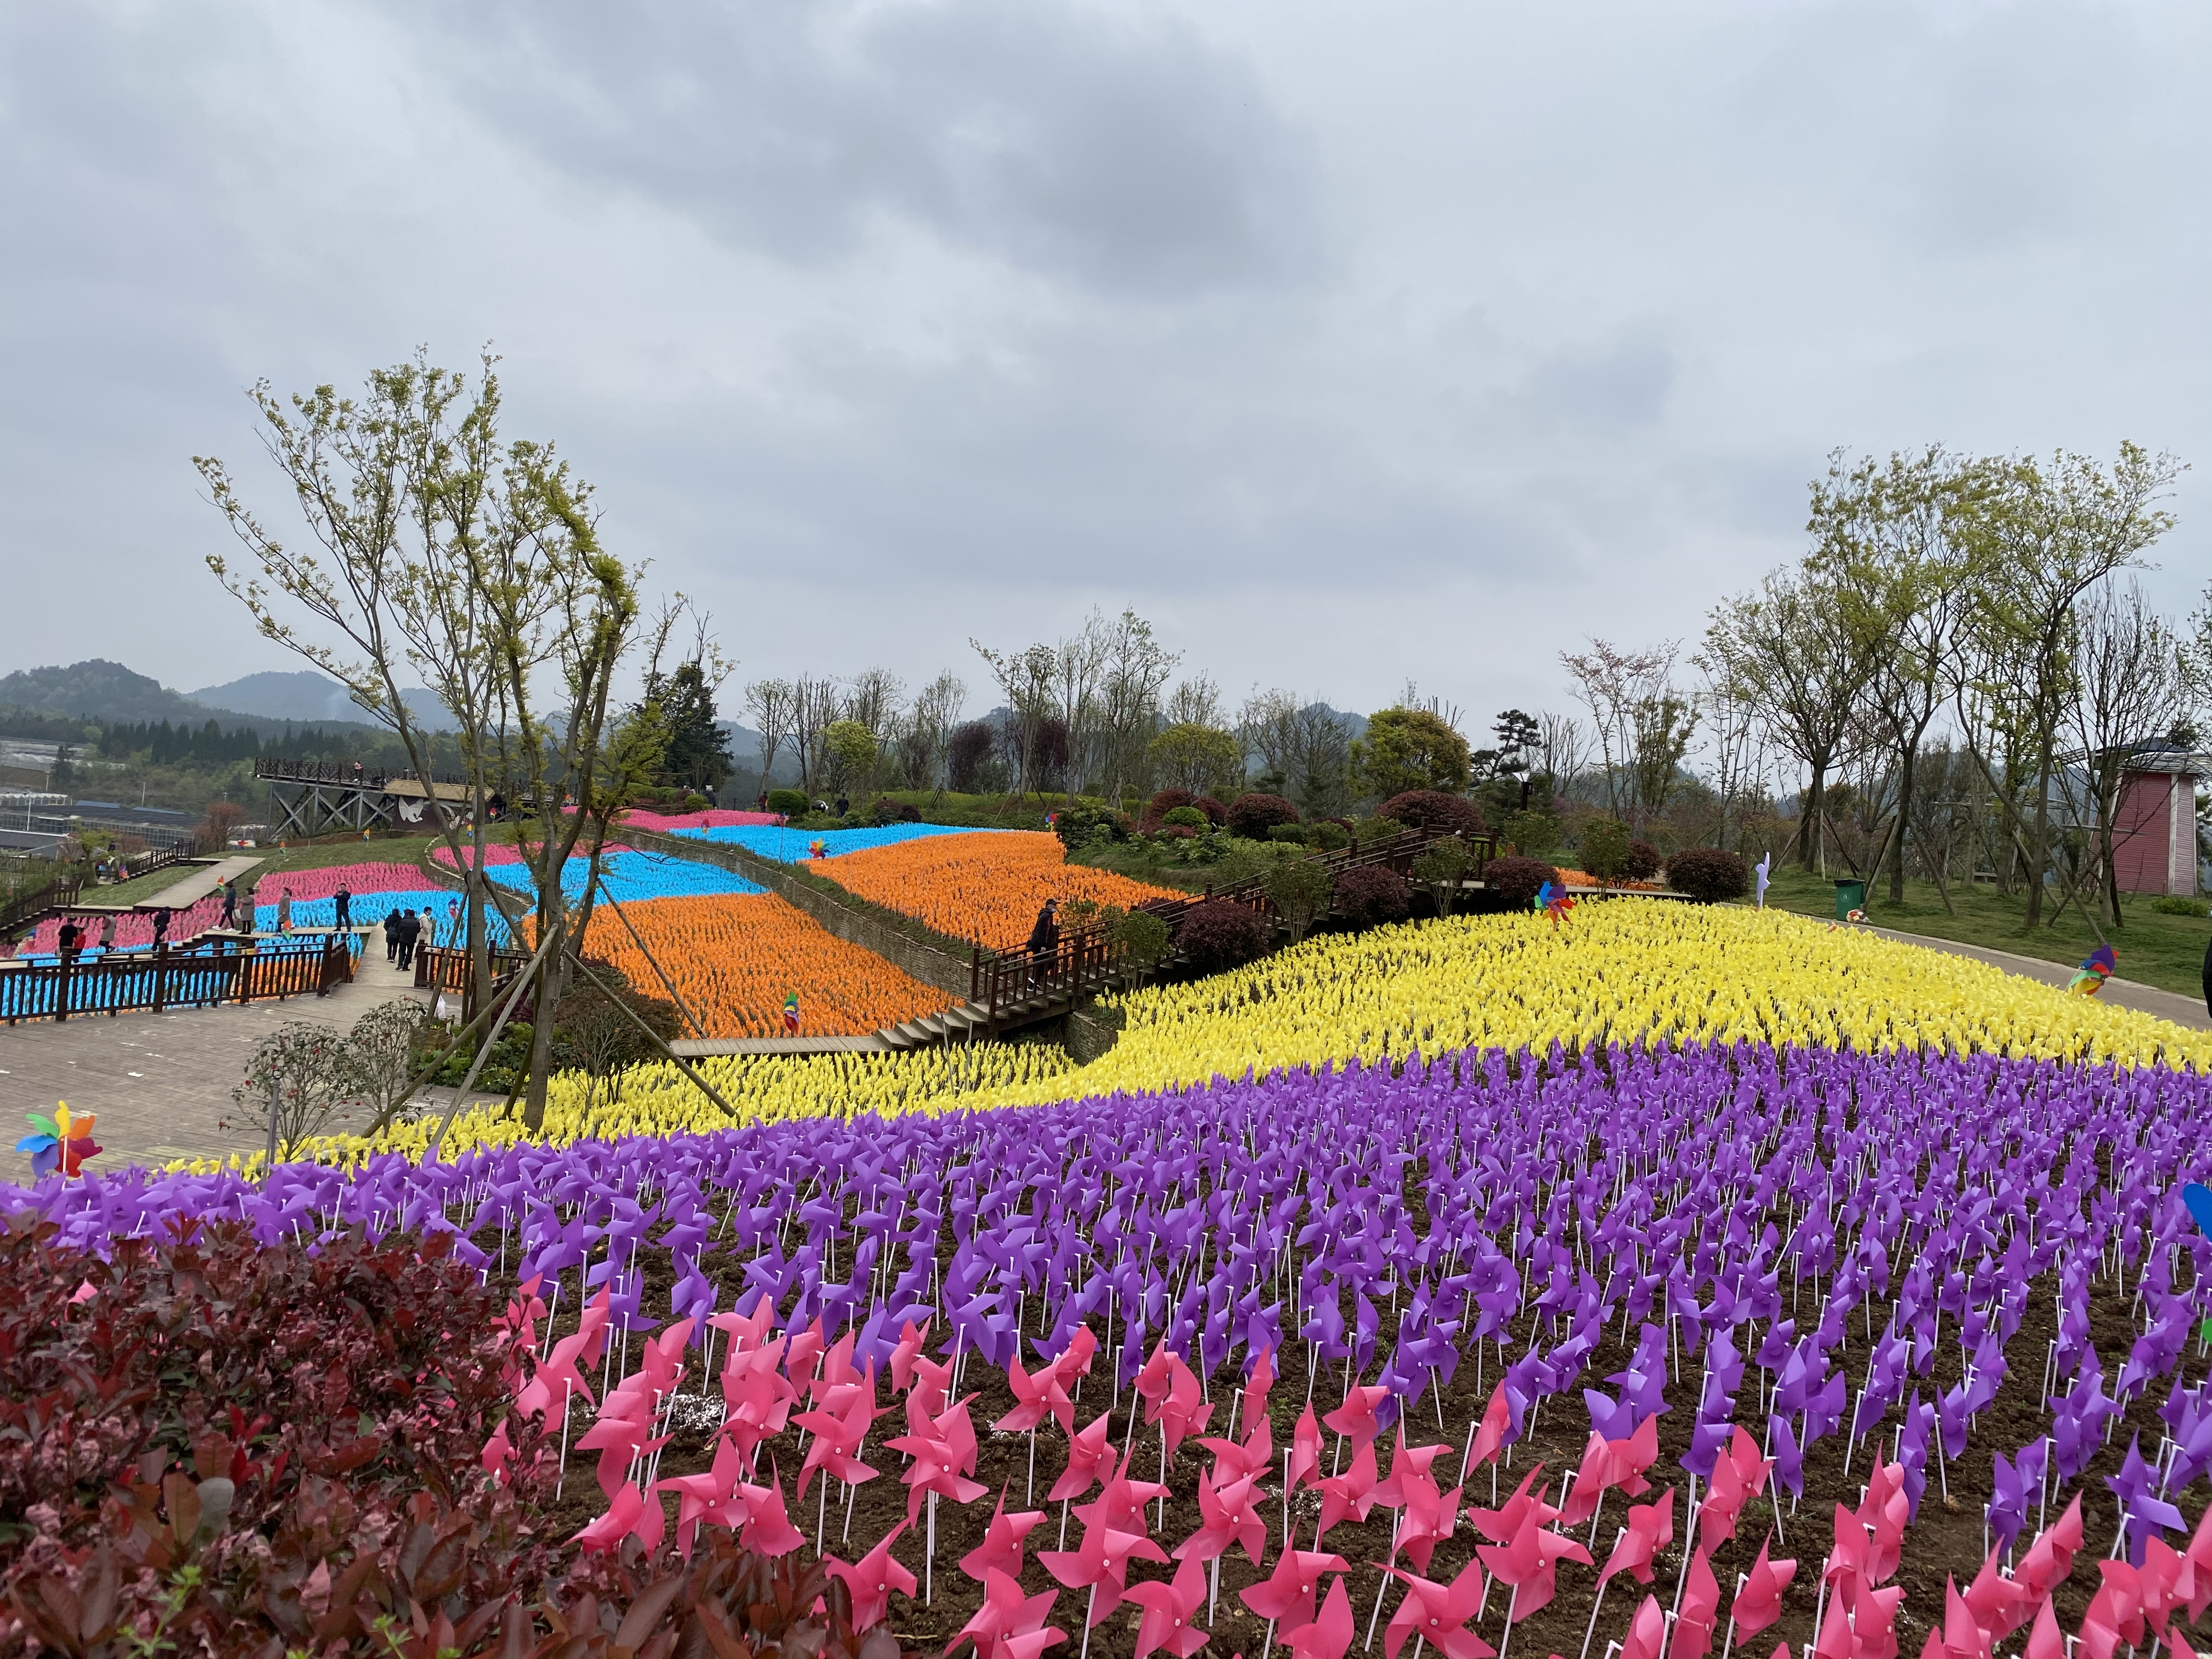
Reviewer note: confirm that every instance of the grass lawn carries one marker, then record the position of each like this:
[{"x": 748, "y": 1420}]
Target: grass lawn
[
  {"x": 2167, "y": 951},
  {"x": 275, "y": 861}
]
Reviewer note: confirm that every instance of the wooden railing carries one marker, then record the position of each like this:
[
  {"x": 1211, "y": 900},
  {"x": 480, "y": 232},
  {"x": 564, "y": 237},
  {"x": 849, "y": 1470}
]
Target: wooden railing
[
  {"x": 1086, "y": 960},
  {"x": 446, "y": 968},
  {"x": 337, "y": 772},
  {"x": 26, "y": 908},
  {"x": 215, "y": 969}
]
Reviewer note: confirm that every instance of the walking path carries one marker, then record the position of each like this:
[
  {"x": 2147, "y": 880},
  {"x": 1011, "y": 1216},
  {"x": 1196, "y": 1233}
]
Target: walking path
[
  {"x": 199, "y": 883},
  {"x": 160, "y": 1083},
  {"x": 2124, "y": 993}
]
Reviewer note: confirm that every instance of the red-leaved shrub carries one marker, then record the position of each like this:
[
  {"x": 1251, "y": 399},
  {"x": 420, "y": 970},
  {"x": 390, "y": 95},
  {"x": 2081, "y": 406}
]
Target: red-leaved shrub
[
  {"x": 1168, "y": 799},
  {"x": 1252, "y": 815},
  {"x": 1708, "y": 874},
  {"x": 1221, "y": 934},
  {"x": 1516, "y": 881},
  {"x": 1371, "y": 896},
  {"x": 1643, "y": 861}
]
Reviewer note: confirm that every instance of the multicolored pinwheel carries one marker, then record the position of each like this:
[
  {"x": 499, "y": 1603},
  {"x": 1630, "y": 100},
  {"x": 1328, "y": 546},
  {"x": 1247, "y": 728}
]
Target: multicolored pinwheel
[
  {"x": 791, "y": 1012},
  {"x": 63, "y": 1141},
  {"x": 817, "y": 848},
  {"x": 1554, "y": 900},
  {"x": 2090, "y": 978}
]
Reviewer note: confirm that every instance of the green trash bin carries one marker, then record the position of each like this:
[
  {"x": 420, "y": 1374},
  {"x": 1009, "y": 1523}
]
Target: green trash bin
[{"x": 1849, "y": 895}]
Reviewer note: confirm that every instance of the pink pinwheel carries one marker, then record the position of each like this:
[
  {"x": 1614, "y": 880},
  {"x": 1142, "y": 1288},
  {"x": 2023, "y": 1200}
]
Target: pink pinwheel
[
  {"x": 1120, "y": 1502},
  {"x": 1647, "y": 1632},
  {"x": 2050, "y": 1558},
  {"x": 1426, "y": 1517},
  {"x": 1529, "y": 1563},
  {"x": 1873, "y": 1622},
  {"x": 837, "y": 1369},
  {"x": 1609, "y": 1463},
  {"x": 2199, "y": 1556},
  {"x": 1739, "y": 1474},
  {"x": 621, "y": 1434},
  {"x": 1999, "y": 1605},
  {"x": 1504, "y": 1522},
  {"x": 1651, "y": 1529},
  {"x": 1256, "y": 1388},
  {"x": 1700, "y": 1610},
  {"x": 2169, "y": 1580},
  {"x": 1286, "y": 1598},
  {"x": 838, "y": 1437},
  {"x": 1884, "y": 1513},
  {"x": 1305, "y": 1453},
  {"x": 2045, "y": 1641},
  {"x": 746, "y": 1332},
  {"x": 1438, "y": 1614},
  {"x": 1003, "y": 1547},
  {"x": 1846, "y": 1566},
  {"x": 1033, "y": 1399},
  {"x": 801, "y": 1351},
  {"x": 623, "y": 1518},
  {"x": 1184, "y": 1410},
  {"x": 1355, "y": 1418},
  {"x": 498, "y": 1453},
  {"x": 1169, "y": 1609},
  {"x": 1102, "y": 1559},
  {"x": 1227, "y": 1517},
  {"x": 871, "y": 1579},
  {"x": 1757, "y": 1604},
  {"x": 768, "y": 1530},
  {"x": 1490, "y": 1438},
  {"x": 558, "y": 1380},
  {"x": 1008, "y": 1626},
  {"x": 711, "y": 1496},
  {"x": 1350, "y": 1494},
  {"x": 944, "y": 1457},
  {"x": 1329, "y": 1636},
  {"x": 2116, "y": 1611},
  {"x": 1960, "y": 1636},
  {"x": 1090, "y": 1457},
  {"x": 906, "y": 1353},
  {"x": 756, "y": 1398}
]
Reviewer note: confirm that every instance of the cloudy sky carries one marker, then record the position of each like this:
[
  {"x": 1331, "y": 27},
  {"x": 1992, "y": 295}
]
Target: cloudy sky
[{"x": 1348, "y": 343}]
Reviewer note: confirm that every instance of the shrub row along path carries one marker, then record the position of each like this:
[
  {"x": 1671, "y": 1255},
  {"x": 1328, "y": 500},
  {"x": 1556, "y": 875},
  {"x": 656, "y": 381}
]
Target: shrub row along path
[{"x": 161, "y": 1082}]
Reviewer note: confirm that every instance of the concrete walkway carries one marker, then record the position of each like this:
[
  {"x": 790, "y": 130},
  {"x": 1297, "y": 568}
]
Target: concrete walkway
[
  {"x": 709, "y": 1048},
  {"x": 160, "y": 1083},
  {"x": 202, "y": 881},
  {"x": 2122, "y": 993}
]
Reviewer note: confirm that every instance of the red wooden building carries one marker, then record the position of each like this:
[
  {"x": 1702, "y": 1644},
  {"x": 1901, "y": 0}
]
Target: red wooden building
[{"x": 2155, "y": 848}]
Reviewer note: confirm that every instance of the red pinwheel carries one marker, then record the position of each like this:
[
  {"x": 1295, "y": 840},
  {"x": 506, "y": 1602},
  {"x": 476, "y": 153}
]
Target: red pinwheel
[
  {"x": 872, "y": 1579},
  {"x": 1102, "y": 1559},
  {"x": 1227, "y": 1517},
  {"x": 1651, "y": 1529},
  {"x": 1352, "y": 1493},
  {"x": 1438, "y": 1614},
  {"x": 1170, "y": 1608},
  {"x": 711, "y": 1496}
]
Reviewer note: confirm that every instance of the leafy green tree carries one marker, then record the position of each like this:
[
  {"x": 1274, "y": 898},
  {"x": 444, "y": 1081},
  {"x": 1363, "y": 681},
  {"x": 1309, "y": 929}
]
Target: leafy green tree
[
  {"x": 698, "y": 755},
  {"x": 1604, "y": 847},
  {"x": 1202, "y": 759},
  {"x": 1300, "y": 889},
  {"x": 852, "y": 750},
  {"x": 1440, "y": 866},
  {"x": 1409, "y": 749}
]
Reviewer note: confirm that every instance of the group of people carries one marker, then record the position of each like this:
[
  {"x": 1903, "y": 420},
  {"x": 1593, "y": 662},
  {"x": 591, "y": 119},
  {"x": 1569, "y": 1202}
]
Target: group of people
[
  {"x": 407, "y": 931},
  {"x": 78, "y": 934}
]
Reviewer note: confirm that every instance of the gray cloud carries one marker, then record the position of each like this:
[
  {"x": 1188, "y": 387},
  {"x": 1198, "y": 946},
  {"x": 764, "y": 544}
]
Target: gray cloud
[{"x": 1420, "y": 340}]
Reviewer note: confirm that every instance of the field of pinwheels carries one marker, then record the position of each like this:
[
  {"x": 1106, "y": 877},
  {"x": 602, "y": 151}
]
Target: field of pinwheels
[{"x": 1682, "y": 1279}]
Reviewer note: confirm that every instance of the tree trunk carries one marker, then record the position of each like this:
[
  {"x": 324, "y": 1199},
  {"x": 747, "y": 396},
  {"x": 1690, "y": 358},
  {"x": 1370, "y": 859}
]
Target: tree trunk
[
  {"x": 1904, "y": 818},
  {"x": 2039, "y": 848},
  {"x": 1809, "y": 818}
]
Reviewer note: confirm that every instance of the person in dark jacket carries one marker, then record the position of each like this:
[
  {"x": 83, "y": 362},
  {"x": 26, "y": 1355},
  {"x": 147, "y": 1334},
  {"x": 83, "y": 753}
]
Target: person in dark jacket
[
  {"x": 67, "y": 940},
  {"x": 161, "y": 925},
  {"x": 342, "y": 906},
  {"x": 392, "y": 936},
  {"x": 1045, "y": 936},
  {"x": 410, "y": 931}
]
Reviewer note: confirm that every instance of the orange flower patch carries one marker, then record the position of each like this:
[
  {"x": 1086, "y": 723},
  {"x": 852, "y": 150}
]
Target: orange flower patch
[
  {"x": 733, "y": 957},
  {"x": 985, "y": 888}
]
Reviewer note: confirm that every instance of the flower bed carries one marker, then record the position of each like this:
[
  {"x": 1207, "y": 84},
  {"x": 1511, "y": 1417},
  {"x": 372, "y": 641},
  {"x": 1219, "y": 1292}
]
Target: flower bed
[
  {"x": 734, "y": 957},
  {"x": 985, "y": 887},
  {"x": 788, "y": 846},
  {"x": 630, "y": 878},
  {"x": 1893, "y": 1316}
]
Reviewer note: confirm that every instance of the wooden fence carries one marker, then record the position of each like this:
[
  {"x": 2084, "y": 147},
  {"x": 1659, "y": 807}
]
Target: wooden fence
[
  {"x": 446, "y": 968},
  {"x": 215, "y": 969}
]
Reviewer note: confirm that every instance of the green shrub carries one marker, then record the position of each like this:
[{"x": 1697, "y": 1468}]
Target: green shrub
[
  {"x": 1532, "y": 832},
  {"x": 2171, "y": 906},
  {"x": 1300, "y": 889},
  {"x": 1439, "y": 866},
  {"x": 1292, "y": 834},
  {"x": 1188, "y": 816},
  {"x": 1142, "y": 935},
  {"x": 1708, "y": 874},
  {"x": 1089, "y": 826},
  {"x": 788, "y": 800},
  {"x": 1604, "y": 847},
  {"x": 1330, "y": 836}
]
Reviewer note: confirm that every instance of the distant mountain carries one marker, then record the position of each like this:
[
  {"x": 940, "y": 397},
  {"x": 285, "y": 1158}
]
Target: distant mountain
[
  {"x": 97, "y": 690},
  {"x": 304, "y": 695}
]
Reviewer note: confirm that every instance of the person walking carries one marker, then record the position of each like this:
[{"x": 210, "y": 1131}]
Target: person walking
[
  {"x": 161, "y": 925},
  {"x": 411, "y": 929},
  {"x": 342, "y": 906},
  {"x": 230, "y": 904},
  {"x": 249, "y": 918},
  {"x": 66, "y": 941},
  {"x": 107, "y": 932},
  {"x": 285, "y": 911},
  {"x": 391, "y": 937},
  {"x": 1044, "y": 939}
]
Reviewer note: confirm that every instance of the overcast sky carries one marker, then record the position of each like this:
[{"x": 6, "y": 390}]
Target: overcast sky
[{"x": 1346, "y": 342}]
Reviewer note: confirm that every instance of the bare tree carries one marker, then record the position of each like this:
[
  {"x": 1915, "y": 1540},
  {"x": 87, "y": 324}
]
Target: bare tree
[
  {"x": 1197, "y": 702},
  {"x": 773, "y": 707},
  {"x": 814, "y": 707},
  {"x": 1945, "y": 813},
  {"x": 1136, "y": 667},
  {"x": 928, "y": 730},
  {"x": 2133, "y": 691},
  {"x": 1564, "y": 747},
  {"x": 1029, "y": 680},
  {"x": 1626, "y": 693}
]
